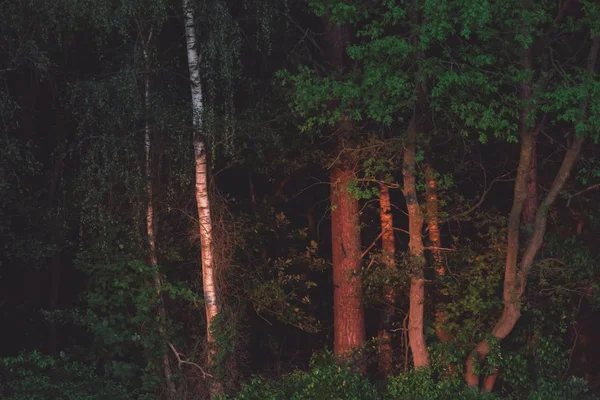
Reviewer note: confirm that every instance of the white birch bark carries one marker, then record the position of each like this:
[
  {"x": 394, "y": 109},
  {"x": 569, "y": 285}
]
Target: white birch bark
[{"x": 202, "y": 198}]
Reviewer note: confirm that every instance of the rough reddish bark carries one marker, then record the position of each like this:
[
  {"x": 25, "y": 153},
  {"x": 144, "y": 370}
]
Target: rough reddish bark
[
  {"x": 348, "y": 313},
  {"x": 388, "y": 246},
  {"x": 416, "y": 335},
  {"x": 515, "y": 277}
]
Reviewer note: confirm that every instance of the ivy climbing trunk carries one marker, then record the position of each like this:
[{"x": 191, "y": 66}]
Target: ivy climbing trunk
[
  {"x": 205, "y": 226},
  {"x": 348, "y": 312},
  {"x": 150, "y": 231},
  {"x": 516, "y": 273},
  {"x": 388, "y": 246},
  {"x": 416, "y": 334}
]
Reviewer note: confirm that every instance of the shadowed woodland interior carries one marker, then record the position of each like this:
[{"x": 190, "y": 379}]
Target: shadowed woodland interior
[{"x": 260, "y": 199}]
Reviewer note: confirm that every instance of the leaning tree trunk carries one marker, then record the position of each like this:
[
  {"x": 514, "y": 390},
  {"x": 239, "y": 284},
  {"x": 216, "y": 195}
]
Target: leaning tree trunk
[
  {"x": 205, "y": 226},
  {"x": 388, "y": 246},
  {"x": 166, "y": 365},
  {"x": 515, "y": 276},
  {"x": 416, "y": 334}
]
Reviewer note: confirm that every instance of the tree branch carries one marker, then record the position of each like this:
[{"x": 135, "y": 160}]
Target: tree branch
[{"x": 193, "y": 364}]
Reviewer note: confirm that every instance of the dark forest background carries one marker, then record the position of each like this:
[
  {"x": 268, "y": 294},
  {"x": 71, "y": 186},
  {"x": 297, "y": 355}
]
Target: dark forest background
[{"x": 477, "y": 120}]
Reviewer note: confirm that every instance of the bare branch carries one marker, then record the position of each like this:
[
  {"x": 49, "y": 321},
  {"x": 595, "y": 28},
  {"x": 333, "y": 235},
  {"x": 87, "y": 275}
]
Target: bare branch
[
  {"x": 483, "y": 195},
  {"x": 597, "y": 185},
  {"x": 193, "y": 364},
  {"x": 371, "y": 246}
]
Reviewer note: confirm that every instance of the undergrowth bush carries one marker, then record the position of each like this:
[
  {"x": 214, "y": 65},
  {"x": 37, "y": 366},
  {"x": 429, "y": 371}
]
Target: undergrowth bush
[{"x": 34, "y": 376}]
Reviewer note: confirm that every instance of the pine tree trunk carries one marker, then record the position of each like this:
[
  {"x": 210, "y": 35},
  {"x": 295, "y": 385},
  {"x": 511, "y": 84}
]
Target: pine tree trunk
[
  {"x": 388, "y": 246},
  {"x": 433, "y": 225},
  {"x": 202, "y": 188},
  {"x": 416, "y": 334},
  {"x": 348, "y": 313},
  {"x": 150, "y": 231},
  {"x": 515, "y": 275}
]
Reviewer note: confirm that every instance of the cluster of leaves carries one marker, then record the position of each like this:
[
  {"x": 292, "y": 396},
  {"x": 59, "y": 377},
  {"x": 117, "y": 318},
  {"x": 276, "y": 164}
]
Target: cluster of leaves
[
  {"x": 39, "y": 377},
  {"x": 283, "y": 288},
  {"x": 326, "y": 379}
]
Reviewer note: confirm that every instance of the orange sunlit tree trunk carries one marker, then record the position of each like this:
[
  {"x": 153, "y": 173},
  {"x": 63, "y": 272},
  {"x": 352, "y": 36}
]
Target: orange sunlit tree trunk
[
  {"x": 433, "y": 227},
  {"x": 516, "y": 272},
  {"x": 388, "y": 246},
  {"x": 416, "y": 333},
  {"x": 348, "y": 312},
  {"x": 150, "y": 225},
  {"x": 205, "y": 225}
]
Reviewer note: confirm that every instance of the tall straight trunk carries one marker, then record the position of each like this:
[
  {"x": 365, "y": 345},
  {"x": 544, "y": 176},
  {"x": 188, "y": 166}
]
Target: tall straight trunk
[
  {"x": 433, "y": 227},
  {"x": 388, "y": 246},
  {"x": 515, "y": 276},
  {"x": 150, "y": 231},
  {"x": 348, "y": 312},
  {"x": 205, "y": 226},
  {"x": 416, "y": 334}
]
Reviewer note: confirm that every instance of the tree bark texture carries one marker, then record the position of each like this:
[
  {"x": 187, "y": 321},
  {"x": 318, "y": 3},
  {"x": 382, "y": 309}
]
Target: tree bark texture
[
  {"x": 388, "y": 245},
  {"x": 433, "y": 227},
  {"x": 515, "y": 278},
  {"x": 416, "y": 334},
  {"x": 150, "y": 231},
  {"x": 202, "y": 188},
  {"x": 348, "y": 312}
]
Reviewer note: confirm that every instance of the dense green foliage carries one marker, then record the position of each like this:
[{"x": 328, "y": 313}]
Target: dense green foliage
[{"x": 82, "y": 308}]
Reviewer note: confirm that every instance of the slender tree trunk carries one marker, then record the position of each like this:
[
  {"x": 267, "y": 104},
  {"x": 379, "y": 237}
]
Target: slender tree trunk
[
  {"x": 348, "y": 313},
  {"x": 388, "y": 245},
  {"x": 416, "y": 334},
  {"x": 433, "y": 225},
  {"x": 515, "y": 279},
  {"x": 150, "y": 231},
  {"x": 202, "y": 189}
]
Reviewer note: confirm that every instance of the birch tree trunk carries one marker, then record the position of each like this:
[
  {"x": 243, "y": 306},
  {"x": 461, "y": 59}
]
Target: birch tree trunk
[
  {"x": 166, "y": 365},
  {"x": 202, "y": 190},
  {"x": 515, "y": 274}
]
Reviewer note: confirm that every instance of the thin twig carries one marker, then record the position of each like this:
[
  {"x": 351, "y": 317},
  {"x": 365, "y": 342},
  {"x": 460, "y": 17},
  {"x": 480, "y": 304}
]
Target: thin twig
[
  {"x": 483, "y": 195},
  {"x": 180, "y": 361},
  {"x": 371, "y": 246},
  {"x": 439, "y": 248},
  {"x": 401, "y": 230},
  {"x": 597, "y": 185}
]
